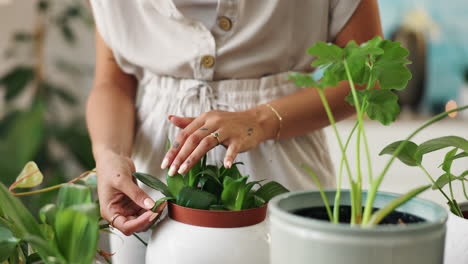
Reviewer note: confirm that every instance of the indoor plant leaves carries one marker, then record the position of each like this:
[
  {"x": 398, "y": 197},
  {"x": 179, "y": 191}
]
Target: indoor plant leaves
[{"x": 195, "y": 198}]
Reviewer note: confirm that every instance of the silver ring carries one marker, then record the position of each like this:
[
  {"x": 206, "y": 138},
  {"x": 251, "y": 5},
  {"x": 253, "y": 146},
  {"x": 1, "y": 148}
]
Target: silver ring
[{"x": 216, "y": 135}]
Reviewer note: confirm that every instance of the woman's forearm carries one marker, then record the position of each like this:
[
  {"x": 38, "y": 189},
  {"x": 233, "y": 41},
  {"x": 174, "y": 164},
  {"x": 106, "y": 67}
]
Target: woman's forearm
[
  {"x": 303, "y": 111},
  {"x": 110, "y": 116}
]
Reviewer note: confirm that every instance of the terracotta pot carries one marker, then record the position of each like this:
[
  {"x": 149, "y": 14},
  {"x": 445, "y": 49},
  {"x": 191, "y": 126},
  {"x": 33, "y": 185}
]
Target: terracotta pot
[{"x": 203, "y": 236}]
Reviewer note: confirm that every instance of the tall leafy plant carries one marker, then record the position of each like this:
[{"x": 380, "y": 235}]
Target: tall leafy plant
[
  {"x": 375, "y": 61},
  {"x": 28, "y": 132}
]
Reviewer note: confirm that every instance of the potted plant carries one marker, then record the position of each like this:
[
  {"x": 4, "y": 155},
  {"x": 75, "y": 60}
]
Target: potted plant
[
  {"x": 413, "y": 234},
  {"x": 214, "y": 212},
  {"x": 66, "y": 232},
  {"x": 456, "y": 249}
]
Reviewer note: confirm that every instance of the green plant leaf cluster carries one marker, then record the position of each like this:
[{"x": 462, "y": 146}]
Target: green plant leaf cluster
[
  {"x": 376, "y": 60},
  {"x": 67, "y": 231},
  {"x": 210, "y": 187},
  {"x": 412, "y": 154}
]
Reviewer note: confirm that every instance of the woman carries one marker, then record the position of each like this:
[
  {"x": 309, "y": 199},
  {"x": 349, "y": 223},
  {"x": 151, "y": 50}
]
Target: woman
[{"x": 223, "y": 81}]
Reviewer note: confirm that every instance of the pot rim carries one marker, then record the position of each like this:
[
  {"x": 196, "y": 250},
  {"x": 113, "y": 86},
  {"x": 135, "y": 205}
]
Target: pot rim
[
  {"x": 463, "y": 206},
  {"x": 275, "y": 210},
  {"x": 217, "y": 218}
]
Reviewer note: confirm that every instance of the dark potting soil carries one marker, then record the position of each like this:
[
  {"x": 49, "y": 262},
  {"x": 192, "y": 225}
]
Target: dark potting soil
[{"x": 393, "y": 218}]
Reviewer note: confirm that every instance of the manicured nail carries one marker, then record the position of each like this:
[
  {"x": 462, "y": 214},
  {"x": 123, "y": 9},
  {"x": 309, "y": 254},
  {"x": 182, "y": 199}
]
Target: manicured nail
[
  {"x": 149, "y": 203},
  {"x": 228, "y": 164},
  {"x": 172, "y": 170},
  {"x": 165, "y": 163},
  {"x": 153, "y": 216},
  {"x": 169, "y": 117},
  {"x": 182, "y": 169}
]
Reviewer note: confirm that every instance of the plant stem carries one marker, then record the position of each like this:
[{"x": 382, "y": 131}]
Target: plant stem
[
  {"x": 340, "y": 143},
  {"x": 336, "y": 205},
  {"x": 322, "y": 193},
  {"x": 433, "y": 182},
  {"x": 376, "y": 183},
  {"x": 358, "y": 206},
  {"x": 141, "y": 240},
  {"x": 464, "y": 190}
]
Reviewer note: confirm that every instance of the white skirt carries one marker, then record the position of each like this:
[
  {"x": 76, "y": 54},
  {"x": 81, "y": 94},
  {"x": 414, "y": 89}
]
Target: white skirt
[{"x": 280, "y": 161}]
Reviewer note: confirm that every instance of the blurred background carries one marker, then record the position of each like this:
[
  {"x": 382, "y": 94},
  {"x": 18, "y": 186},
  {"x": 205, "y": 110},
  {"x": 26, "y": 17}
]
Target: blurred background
[{"x": 46, "y": 72}]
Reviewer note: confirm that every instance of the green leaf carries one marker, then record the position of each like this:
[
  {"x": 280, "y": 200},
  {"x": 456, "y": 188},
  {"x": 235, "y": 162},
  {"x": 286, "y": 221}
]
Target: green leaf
[
  {"x": 77, "y": 235},
  {"x": 153, "y": 182},
  {"x": 303, "y": 80},
  {"x": 30, "y": 176},
  {"x": 325, "y": 53},
  {"x": 20, "y": 144},
  {"x": 408, "y": 155},
  {"x": 16, "y": 80},
  {"x": 259, "y": 201},
  {"x": 235, "y": 192},
  {"x": 195, "y": 198},
  {"x": 47, "y": 214},
  {"x": 380, "y": 214},
  {"x": 161, "y": 201},
  {"x": 73, "y": 194},
  {"x": 175, "y": 184},
  {"x": 447, "y": 164},
  {"x": 48, "y": 254},
  {"x": 8, "y": 242},
  {"x": 390, "y": 67},
  {"x": 270, "y": 190},
  {"x": 382, "y": 105},
  {"x": 443, "y": 142},
  {"x": 443, "y": 180},
  {"x": 458, "y": 156}
]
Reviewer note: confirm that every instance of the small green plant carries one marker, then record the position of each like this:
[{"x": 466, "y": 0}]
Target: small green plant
[
  {"x": 65, "y": 232},
  {"x": 412, "y": 155},
  {"x": 212, "y": 188},
  {"x": 375, "y": 61}
]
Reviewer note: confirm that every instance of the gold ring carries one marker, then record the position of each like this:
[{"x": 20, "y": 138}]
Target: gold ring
[
  {"x": 113, "y": 219},
  {"x": 216, "y": 135}
]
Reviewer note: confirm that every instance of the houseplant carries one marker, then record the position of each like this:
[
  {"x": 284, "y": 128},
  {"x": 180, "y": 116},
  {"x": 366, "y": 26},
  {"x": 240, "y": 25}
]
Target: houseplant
[
  {"x": 297, "y": 239},
  {"x": 36, "y": 88},
  {"x": 456, "y": 250},
  {"x": 210, "y": 208},
  {"x": 67, "y": 231}
]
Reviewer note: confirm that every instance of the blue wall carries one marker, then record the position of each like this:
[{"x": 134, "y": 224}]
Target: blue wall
[{"x": 447, "y": 55}]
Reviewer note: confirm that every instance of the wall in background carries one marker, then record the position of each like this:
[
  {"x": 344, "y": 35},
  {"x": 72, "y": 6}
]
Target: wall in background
[{"x": 448, "y": 43}]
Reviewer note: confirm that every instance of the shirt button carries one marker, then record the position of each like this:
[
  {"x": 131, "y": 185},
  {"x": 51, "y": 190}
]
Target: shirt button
[
  {"x": 224, "y": 23},
  {"x": 207, "y": 61}
]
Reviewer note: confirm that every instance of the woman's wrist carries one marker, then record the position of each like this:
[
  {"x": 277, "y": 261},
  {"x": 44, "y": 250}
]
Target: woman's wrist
[
  {"x": 267, "y": 120},
  {"x": 100, "y": 151}
]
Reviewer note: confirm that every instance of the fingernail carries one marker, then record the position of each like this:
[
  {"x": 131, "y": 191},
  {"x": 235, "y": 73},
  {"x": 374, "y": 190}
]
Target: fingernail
[
  {"x": 169, "y": 117},
  {"x": 228, "y": 164},
  {"x": 182, "y": 169},
  {"x": 153, "y": 216},
  {"x": 172, "y": 170},
  {"x": 165, "y": 163},
  {"x": 149, "y": 203}
]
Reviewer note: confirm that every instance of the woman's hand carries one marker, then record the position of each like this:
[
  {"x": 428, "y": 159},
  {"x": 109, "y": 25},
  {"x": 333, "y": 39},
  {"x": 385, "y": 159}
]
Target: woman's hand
[
  {"x": 121, "y": 200},
  {"x": 238, "y": 131}
]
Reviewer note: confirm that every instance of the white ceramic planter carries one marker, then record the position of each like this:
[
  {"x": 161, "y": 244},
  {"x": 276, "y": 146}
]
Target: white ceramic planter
[
  {"x": 456, "y": 246},
  {"x": 300, "y": 240},
  {"x": 174, "y": 242}
]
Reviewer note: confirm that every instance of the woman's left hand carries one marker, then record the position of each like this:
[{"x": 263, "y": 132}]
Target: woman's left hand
[{"x": 237, "y": 131}]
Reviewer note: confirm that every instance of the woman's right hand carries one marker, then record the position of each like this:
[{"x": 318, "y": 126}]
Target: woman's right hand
[{"x": 120, "y": 198}]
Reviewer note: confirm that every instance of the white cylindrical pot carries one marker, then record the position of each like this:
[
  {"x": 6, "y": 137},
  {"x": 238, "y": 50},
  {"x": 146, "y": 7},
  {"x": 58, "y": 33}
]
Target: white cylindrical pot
[
  {"x": 239, "y": 241},
  {"x": 299, "y": 240},
  {"x": 456, "y": 246}
]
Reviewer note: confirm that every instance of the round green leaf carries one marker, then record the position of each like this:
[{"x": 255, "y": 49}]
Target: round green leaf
[{"x": 31, "y": 176}]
